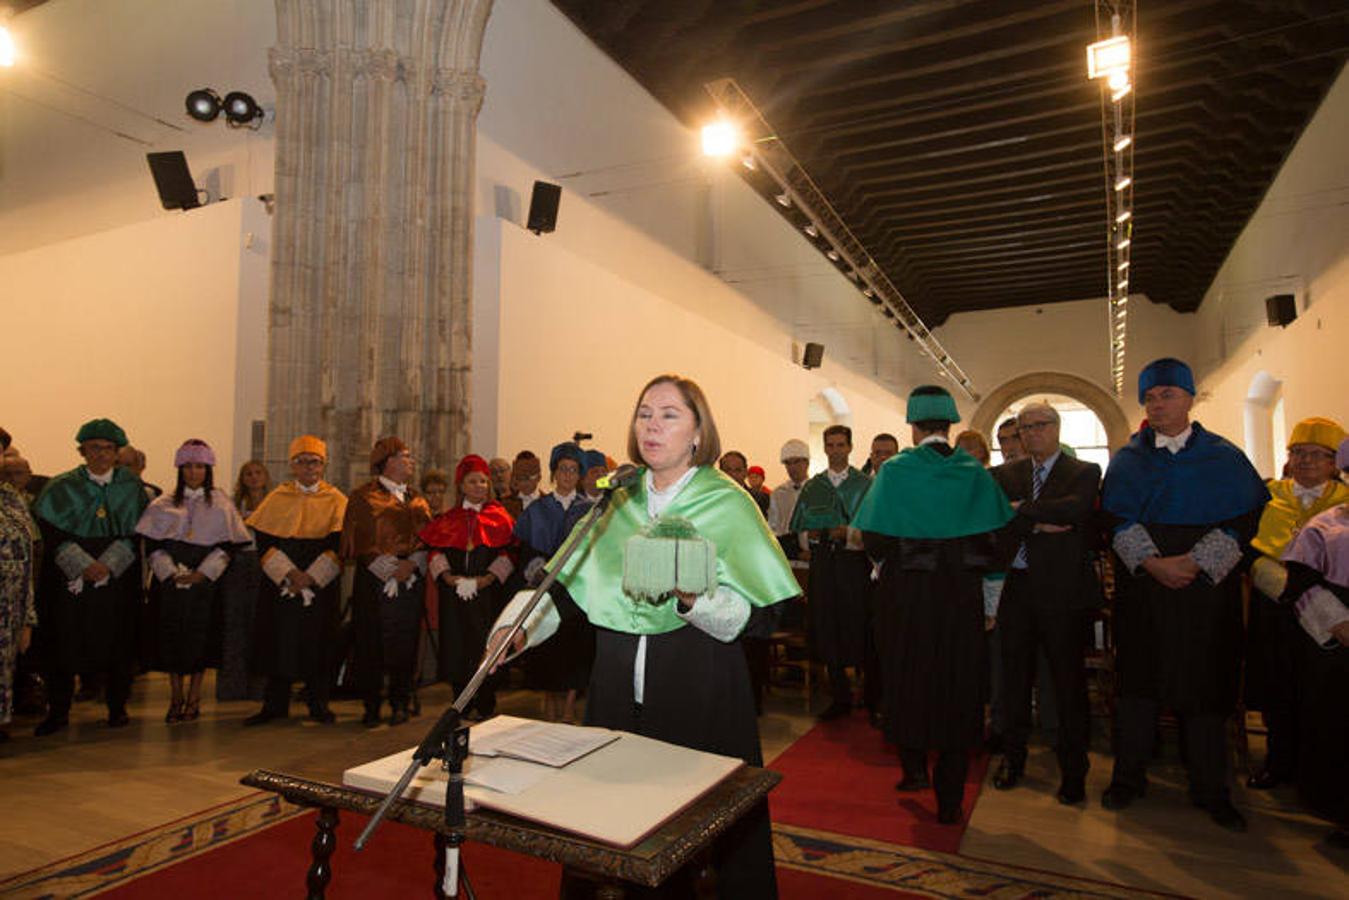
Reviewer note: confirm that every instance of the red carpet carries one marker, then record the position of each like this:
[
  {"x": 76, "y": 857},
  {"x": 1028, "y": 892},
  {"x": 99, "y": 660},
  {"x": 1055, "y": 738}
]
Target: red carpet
[
  {"x": 840, "y": 777},
  {"x": 397, "y": 863}
]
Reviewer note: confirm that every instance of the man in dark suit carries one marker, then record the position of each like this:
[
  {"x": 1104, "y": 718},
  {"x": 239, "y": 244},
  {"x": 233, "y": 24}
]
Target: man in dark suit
[{"x": 1049, "y": 586}]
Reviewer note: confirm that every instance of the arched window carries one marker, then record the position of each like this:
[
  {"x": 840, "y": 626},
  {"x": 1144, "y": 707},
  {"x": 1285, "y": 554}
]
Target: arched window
[{"x": 1079, "y": 428}]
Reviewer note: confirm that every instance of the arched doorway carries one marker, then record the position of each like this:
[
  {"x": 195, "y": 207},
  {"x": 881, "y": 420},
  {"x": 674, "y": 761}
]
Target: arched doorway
[{"x": 1091, "y": 395}]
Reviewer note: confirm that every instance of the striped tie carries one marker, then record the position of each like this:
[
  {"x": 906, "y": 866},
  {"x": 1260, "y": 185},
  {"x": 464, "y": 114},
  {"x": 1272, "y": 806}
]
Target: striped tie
[{"x": 1037, "y": 481}]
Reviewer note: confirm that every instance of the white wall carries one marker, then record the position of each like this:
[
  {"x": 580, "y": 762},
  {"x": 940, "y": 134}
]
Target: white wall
[
  {"x": 160, "y": 326},
  {"x": 996, "y": 346},
  {"x": 89, "y": 68},
  {"x": 1297, "y": 242},
  {"x": 578, "y": 342}
]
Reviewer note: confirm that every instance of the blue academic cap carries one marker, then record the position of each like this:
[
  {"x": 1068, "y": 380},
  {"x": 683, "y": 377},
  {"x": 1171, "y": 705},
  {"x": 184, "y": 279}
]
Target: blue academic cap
[
  {"x": 1165, "y": 372},
  {"x": 569, "y": 450}
]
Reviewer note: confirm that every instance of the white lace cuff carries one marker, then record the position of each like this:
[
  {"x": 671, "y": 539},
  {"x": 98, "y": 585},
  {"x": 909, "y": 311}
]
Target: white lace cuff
[
  {"x": 501, "y": 567},
  {"x": 118, "y": 557},
  {"x": 1134, "y": 545},
  {"x": 72, "y": 559},
  {"x": 1318, "y": 610},
  {"x": 276, "y": 565},
  {"x": 324, "y": 569},
  {"x": 722, "y": 614},
  {"x": 542, "y": 623},
  {"x": 162, "y": 565},
  {"x": 214, "y": 565},
  {"x": 1217, "y": 553}
]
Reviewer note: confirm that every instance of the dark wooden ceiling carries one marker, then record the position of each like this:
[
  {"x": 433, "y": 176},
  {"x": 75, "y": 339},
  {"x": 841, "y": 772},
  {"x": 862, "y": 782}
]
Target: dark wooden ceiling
[{"x": 961, "y": 141}]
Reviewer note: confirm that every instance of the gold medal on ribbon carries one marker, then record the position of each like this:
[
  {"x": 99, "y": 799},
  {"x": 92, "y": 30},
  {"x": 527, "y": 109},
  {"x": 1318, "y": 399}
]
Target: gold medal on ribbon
[{"x": 102, "y": 513}]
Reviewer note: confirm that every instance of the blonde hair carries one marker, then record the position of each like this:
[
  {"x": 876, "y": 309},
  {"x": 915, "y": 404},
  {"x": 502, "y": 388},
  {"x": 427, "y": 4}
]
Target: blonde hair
[{"x": 707, "y": 449}]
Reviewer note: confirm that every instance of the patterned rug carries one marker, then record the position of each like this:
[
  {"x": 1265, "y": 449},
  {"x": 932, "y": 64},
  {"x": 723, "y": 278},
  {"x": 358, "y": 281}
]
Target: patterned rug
[{"x": 856, "y": 867}]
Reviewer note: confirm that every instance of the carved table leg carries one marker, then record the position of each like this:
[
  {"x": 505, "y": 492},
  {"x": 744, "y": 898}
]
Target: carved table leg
[{"x": 325, "y": 842}]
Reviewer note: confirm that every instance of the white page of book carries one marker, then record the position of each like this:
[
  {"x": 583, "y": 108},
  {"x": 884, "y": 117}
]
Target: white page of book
[{"x": 550, "y": 743}]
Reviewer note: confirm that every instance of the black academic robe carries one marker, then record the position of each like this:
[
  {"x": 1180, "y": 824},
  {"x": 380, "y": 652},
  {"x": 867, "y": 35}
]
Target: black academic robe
[
  {"x": 936, "y": 677},
  {"x": 713, "y": 712},
  {"x": 1181, "y": 647},
  {"x": 187, "y": 621},
  {"x": 292, "y": 641},
  {"x": 464, "y": 624},
  {"x": 97, "y": 629}
]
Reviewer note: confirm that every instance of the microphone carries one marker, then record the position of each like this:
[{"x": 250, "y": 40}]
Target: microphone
[{"x": 624, "y": 476}]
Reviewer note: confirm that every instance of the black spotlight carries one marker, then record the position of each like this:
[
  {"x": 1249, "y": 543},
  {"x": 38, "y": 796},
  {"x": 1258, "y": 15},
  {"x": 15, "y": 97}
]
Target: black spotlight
[
  {"x": 203, "y": 105},
  {"x": 241, "y": 109}
]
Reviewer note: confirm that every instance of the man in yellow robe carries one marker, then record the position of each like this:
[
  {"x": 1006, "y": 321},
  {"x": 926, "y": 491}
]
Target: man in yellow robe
[{"x": 1273, "y": 633}]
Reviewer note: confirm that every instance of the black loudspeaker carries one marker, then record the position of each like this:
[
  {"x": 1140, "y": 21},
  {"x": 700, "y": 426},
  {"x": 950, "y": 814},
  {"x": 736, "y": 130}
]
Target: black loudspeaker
[
  {"x": 173, "y": 180},
  {"x": 543, "y": 207},
  {"x": 812, "y": 356},
  {"x": 1280, "y": 309}
]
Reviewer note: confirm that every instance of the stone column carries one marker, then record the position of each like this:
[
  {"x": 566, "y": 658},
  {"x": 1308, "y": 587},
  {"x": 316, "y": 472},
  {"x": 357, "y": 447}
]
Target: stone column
[{"x": 370, "y": 311}]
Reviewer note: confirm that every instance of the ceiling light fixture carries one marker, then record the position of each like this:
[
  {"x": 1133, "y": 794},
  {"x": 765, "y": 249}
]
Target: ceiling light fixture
[
  {"x": 720, "y": 138},
  {"x": 204, "y": 105},
  {"x": 9, "y": 51},
  {"x": 783, "y": 199},
  {"x": 1123, "y": 141},
  {"x": 811, "y": 230}
]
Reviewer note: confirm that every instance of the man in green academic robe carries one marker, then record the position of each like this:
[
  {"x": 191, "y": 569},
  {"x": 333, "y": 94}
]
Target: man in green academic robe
[
  {"x": 90, "y": 594},
  {"x": 840, "y": 574},
  {"x": 931, "y": 520}
]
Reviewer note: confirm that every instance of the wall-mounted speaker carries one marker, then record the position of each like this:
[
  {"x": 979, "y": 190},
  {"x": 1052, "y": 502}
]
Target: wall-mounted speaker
[
  {"x": 543, "y": 207},
  {"x": 1280, "y": 309},
  {"x": 812, "y": 356},
  {"x": 173, "y": 180}
]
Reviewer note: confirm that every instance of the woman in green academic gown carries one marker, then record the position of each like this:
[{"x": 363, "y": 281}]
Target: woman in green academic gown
[{"x": 672, "y": 667}]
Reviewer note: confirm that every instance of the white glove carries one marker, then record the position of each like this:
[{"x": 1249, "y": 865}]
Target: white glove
[
  {"x": 876, "y": 570},
  {"x": 390, "y": 588},
  {"x": 75, "y": 585},
  {"x": 466, "y": 587}
]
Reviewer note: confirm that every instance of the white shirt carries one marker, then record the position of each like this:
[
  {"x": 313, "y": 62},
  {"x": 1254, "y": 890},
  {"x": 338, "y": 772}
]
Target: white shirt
[
  {"x": 837, "y": 478},
  {"x": 565, "y": 499},
  {"x": 398, "y": 490},
  {"x": 476, "y": 507},
  {"x": 1175, "y": 443},
  {"x": 526, "y": 499},
  {"x": 313, "y": 488},
  {"x": 105, "y": 479},
  {"x": 1307, "y": 496},
  {"x": 781, "y": 505}
]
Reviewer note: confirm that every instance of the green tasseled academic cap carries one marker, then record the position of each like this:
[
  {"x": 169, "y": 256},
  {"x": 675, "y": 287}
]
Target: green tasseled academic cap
[
  {"x": 928, "y": 403},
  {"x": 101, "y": 430}
]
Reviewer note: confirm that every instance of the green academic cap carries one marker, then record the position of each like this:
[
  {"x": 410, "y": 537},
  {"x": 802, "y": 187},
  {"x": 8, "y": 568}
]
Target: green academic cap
[
  {"x": 101, "y": 430},
  {"x": 929, "y": 403}
]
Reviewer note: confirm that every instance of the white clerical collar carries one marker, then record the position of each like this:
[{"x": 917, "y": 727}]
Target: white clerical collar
[
  {"x": 564, "y": 499},
  {"x": 1175, "y": 443},
  {"x": 1309, "y": 495},
  {"x": 934, "y": 439},
  {"x": 476, "y": 507},
  {"x": 398, "y": 490},
  {"x": 105, "y": 479},
  {"x": 194, "y": 493},
  {"x": 311, "y": 489}
]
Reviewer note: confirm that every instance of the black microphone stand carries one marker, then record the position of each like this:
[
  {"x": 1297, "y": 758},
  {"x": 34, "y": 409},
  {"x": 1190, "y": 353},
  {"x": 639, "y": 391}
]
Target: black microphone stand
[{"x": 448, "y": 738}]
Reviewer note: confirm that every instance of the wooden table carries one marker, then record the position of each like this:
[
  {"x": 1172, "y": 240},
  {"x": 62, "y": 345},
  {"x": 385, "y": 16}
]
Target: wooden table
[{"x": 317, "y": 782}]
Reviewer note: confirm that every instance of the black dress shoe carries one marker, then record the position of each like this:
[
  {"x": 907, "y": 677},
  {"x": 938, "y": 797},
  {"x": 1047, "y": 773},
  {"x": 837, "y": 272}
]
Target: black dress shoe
[
  {"x": 1119, "y": 796},
  {"x": 876, "y": 719},
  {"x": 1339, "y": 839},
  {"x": 371, "y": 718},
  {"x": 262, "y": 717},
  {"x": 835, "y": 711},
  {"x": 118, "y": 719},
  {"x": 1264, "y": 780},
  {"x": 1009, "y": 775},
  {"x": 949, "y": 815},
  {"x": 399, "y": 716},
  {"x": 322, "y": 714},
  {"x": 1071, "y": 791},
  {"x": 1225, "y": 815},
  {"x": 918, "y": 782},
  {"x": 50, "y": 725}
]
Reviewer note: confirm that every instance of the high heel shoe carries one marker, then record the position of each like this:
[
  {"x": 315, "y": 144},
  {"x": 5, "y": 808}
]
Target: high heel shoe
[
  {"x": 175, "y": 713},
  {"x": 192, "y": 711}
]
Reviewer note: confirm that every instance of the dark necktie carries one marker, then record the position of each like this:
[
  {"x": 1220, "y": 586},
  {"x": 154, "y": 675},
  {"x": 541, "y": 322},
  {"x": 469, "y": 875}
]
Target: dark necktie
[{"x": 1037, "y": 481}]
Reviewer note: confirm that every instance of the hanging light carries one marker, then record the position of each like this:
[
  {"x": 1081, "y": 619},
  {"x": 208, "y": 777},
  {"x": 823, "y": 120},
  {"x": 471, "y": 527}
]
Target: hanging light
[
  {"x": 1123, "y": 182},
  {"x": 241, "y": 109},
  {"x": 1124, "y": 216},
  {"x": 1121, "y": 245},
  {"x": 811, "y": 230},
  {"x": 204, "y": 105},
  {"x": 783, "y": 199},
  {"x": 1123, "y": 141},
  {"x": 1108, "y": 56}
]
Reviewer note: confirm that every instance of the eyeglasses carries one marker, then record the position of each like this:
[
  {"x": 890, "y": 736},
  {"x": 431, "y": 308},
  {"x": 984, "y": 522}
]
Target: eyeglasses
[
  {"x": 307, "y": 461},
  {"x": 1310, "y": 453},
  {"x": 1033, "y": 426}
]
